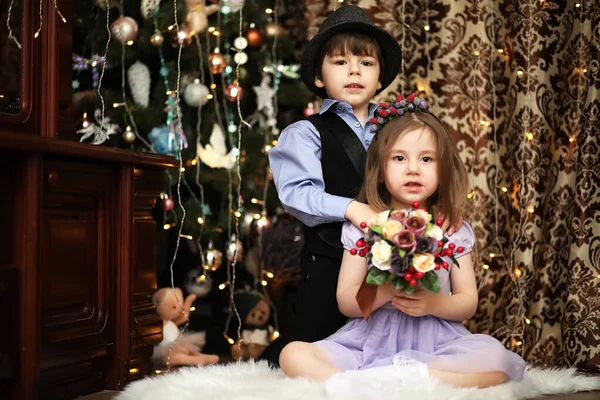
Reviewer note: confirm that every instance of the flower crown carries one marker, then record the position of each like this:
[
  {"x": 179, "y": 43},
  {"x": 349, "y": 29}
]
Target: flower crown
[{"x": 386, "y": 112}]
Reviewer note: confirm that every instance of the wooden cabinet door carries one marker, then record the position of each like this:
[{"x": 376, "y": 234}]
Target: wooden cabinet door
[{"x": 77, "y": 279}]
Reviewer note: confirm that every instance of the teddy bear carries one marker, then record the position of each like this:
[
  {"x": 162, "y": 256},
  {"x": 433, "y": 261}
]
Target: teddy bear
[
  {"x": 185, "y": 348},
  {"x": 255, "y": 312}
]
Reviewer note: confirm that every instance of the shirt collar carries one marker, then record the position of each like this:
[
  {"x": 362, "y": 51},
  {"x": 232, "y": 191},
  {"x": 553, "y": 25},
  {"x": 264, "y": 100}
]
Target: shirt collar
[{"x": 328, "y": 103}]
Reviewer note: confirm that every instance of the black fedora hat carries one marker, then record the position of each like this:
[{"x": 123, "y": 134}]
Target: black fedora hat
[{"x": 351, "y": 19}]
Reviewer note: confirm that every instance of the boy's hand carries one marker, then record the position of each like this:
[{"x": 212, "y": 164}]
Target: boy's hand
[
  {"x": 446, "y": 225},
  {"x": 358, "y": 212}
]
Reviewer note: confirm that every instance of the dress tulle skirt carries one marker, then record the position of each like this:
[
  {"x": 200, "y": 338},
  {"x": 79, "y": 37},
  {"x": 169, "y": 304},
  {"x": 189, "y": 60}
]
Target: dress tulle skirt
[{"x": 443, "y": 345}]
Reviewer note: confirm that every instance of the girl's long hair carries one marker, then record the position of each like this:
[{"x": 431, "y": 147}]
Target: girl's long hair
[{"x": 450, "y": 196}]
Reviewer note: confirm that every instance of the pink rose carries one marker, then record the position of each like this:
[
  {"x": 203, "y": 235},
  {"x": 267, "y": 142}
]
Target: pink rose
[
  {"x": 405, "y": 240},
  {"x": 416, "y": 225},
  {"x": 399, "y": 215}
]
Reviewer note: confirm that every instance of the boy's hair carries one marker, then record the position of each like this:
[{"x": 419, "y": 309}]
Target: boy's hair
[
  {"x": 453, "y": 179},
  {"x": 359, "y": 44}
]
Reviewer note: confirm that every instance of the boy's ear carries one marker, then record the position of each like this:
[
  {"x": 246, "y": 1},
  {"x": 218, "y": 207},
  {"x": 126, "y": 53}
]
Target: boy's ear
[
  {"x": 319, "y": 83},
  {"x": 378, "y": 85}
]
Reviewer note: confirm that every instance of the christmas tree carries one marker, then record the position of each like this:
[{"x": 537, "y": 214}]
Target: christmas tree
[{"x": 190, "y": 78}]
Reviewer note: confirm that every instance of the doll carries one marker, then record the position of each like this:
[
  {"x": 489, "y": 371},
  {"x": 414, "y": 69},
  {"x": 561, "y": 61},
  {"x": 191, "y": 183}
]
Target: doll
[
  {"x": 254, "y": 311},
  {"x": 174, "y": 310}
]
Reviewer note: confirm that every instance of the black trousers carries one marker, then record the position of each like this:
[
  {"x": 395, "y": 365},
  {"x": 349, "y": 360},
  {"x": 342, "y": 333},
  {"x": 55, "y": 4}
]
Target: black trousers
[{"x": 317, "y": 312}]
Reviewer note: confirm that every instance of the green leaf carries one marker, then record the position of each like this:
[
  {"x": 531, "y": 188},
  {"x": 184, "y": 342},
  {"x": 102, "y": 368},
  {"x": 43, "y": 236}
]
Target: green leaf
[
  {"x": 455, "y": 261},
  {"x": 402, "y": 252},
  {"x": 431, "y": 282},
  {"x": 409, "y": 289},
  {"x": 377, "y": 276},
  {"x": 397, "y": 282},
  {"x": 377, "y": 229}
]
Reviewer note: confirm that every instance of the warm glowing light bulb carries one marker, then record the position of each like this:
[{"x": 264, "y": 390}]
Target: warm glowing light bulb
[
  {"x": 504, "y": 189},
  {"x": 222, "y": 286},
  {"x": 529, "y": 135},
  {"x": 200, "y": 220},
  {"x": 530, "y": 209},
  {"x": 485, "y": 266},
  {"x": 263, "y": 282},
  {"x": 166, "y": 226},
  {"x": 518, "y": 272},
  {"x": 426, "y": 28}
]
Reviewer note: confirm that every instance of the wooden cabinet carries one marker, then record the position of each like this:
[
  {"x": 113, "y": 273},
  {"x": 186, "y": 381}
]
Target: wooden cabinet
[{"x": 77, "y": 237}]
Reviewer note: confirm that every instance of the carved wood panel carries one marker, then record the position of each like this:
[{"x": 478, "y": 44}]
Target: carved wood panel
[{"x": 77, "y": 270}]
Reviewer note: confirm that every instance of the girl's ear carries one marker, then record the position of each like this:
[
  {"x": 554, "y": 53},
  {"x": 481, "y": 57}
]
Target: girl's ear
[{"x": 319, "y": 83}]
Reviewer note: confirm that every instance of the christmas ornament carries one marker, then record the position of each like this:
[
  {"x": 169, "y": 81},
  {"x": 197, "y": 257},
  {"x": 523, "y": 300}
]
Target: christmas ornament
[
  {"x": 83, "y": 122},
  {"x": 240, "y": 43},
  {"x": 197, "y": 15},
  {"x": 138, "y": 76},
  {"x": 254, "y": 37},
  {"x": 163, "y": 140},
  {"x": 235, "y": 249},
  {"x": 217, "y": 62},
  {"x": 273, "y": 29},
  {"x": 198, "y": 282},
  {"x": 182, "y": 38},
  {"x": 147, "y": 7},
  {"x": 240, "y": 58},
  {"x": 167, "y": 204},
  {"x": 195, "y": 94},
  {"x": 263, "y": 223},
  {"x": 235, "y": 5},
  {"x": 100, "y": 131},
  {"x": 129, "y": 135},
  {"x": 124, "y": 29},
  {"x": 157, "y": 39},
  {"x": 214, "y": 154},
  {"x": 213, "y": 258},
  {"x": 309, "y": 110},
  {"x": 233, "y": 92},
  {"x": 265, "y": 111}
]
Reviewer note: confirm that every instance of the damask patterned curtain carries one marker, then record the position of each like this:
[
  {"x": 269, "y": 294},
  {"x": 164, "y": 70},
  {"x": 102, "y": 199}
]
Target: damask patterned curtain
[{"x": 517, "y": 83}]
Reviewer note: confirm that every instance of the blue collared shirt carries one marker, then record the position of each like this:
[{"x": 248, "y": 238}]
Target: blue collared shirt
[{"x": 296, "y": 165}]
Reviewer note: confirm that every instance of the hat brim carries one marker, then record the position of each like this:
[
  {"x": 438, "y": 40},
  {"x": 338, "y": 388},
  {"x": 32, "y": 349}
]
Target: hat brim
[{"x": 390, "y": 49}]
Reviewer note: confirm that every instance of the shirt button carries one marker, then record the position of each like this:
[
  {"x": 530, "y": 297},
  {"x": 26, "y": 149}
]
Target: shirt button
[
  {"x": 357, "y": 124},
  {"x": 367, "y": 142},
  {"x": 312, "y": 259}
]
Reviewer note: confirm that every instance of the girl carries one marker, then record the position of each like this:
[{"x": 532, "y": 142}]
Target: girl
[{"x": 407, "y": 337}]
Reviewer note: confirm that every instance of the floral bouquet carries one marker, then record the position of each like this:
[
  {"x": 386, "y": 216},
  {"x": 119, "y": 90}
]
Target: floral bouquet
[{"x": 404, "y": 247}]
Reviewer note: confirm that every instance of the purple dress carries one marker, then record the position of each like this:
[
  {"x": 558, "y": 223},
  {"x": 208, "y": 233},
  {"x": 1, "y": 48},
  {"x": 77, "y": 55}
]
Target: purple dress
[{"x": 441, "y": 344}]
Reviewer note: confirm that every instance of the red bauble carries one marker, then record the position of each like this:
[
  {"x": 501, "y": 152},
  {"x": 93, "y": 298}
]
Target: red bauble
[
  {"x": 413, "y": 283},
  {"x": 415, "y": 205},
  {"x": 363, "y": 225},
  {"x": 419, "y": 275},
  {"x": 408, "y": 276},
  {"x": 217, "y": 62},
  {"x": 360, "y": 243},
  {"x": 254, "y": 37},
  {"x": 445, "y": 265},
  {"x": 309, "y": 110},
  {"x": 437, "y": 267},
  {"x": 440, "y": 243},
  {"x": 362, "y": 253},
  {"x": 167, "y": 204},
  {"x": 451, "y": 246},
  {"x": 460, "y": 249},
  {"x": 439, "y": 222},
  {"x": 353, "y": 251}
]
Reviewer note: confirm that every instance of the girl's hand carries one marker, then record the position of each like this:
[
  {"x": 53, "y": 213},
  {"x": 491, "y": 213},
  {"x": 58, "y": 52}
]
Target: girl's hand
[
  {"x": 446, "y": 224},
  {"x": 421, "y": 302}
]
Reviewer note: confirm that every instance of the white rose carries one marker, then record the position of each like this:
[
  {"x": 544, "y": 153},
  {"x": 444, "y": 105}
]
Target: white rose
[
  {"x": 382, "y": 255},
  {"x": 424, "y": 262},
  {"x": 435, "y": 232},
  {"x": 380, "y": 219},
  {"x": 422, "y": 214},
  {"x": 391, "y": 229}
]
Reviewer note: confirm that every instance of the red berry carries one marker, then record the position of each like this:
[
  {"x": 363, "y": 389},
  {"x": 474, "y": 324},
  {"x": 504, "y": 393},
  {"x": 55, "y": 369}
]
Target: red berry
[
  {"x": 360, "y": 243},
  {"x": 451, "y": 246},
  {"x": 408, "y": 276},
  {"x": 438, "y": 254},
  {"x": 367, "y": 249},
  {"x": 440, "y": 243},
  {"x": 419, "y": 275},
  {"x": 445, "y": 265},
  {"x": 437, "y": 267},
  {"x": 363, "y": 225},
  {"x": 362, "y": 252},
  {"x": 439, "y": 222},
  {"x": 384, "y": 105},
  {"x": 415, "y": 205},
  {"x": 413, "y": 282},
  {"x": 443, "y": 253},
  {"x": 393, "y": 111},
  {"x": 353, "y": 251},
  {"x": 460, "y": 249},
  {"x": 410, "y": 98},
  {"x": 384, "y": 113},
  {"x": 373, "y": 120},
  {"x": 400, "y": 98},
  {"x": 411, "y": 269}
]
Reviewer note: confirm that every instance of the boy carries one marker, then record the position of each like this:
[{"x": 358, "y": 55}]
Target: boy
[{"x": 318, "y": 164}]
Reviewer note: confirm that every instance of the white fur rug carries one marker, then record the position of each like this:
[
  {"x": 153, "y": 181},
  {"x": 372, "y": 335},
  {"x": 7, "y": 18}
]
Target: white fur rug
[{"x": 256, "y": 381}]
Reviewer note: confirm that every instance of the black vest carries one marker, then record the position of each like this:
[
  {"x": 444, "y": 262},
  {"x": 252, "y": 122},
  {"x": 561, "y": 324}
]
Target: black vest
[{"x": 343, "y": 165}]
